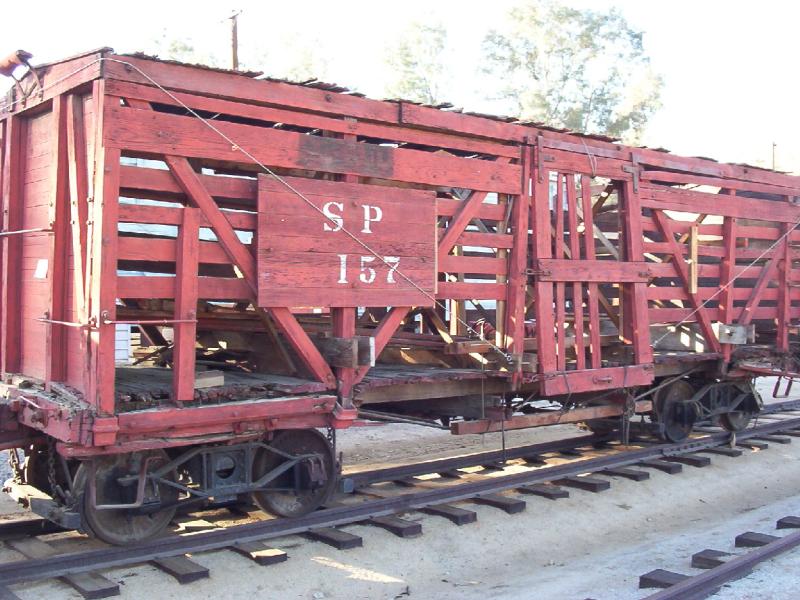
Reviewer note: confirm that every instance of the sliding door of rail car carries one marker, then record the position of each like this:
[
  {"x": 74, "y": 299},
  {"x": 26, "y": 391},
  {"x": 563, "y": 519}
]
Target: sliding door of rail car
[
  {"x": 721, "y": 255},
  {"x": 589, "y": 282}
]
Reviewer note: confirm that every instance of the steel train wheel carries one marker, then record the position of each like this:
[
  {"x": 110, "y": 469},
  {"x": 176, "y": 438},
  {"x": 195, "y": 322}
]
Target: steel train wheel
[
  {"x": 286, "y": 501},
  {"x": 675, "y": 411},
  {"x": 736, "y": 420},
  {"x": 126, "y": 526}
]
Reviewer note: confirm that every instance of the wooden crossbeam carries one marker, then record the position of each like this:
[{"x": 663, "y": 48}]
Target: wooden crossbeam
[{"x": 683, "y": 273}]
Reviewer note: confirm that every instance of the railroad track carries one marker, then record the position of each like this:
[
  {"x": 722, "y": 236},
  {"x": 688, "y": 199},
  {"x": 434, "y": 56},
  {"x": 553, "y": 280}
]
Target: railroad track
[
  {"x": 722, "y": 567},
  {"x": 445, "y": 484}
]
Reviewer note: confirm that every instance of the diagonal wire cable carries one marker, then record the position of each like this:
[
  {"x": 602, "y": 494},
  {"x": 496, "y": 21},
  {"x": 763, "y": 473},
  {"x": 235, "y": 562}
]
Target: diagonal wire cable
[{"x": 235, "y": 146}]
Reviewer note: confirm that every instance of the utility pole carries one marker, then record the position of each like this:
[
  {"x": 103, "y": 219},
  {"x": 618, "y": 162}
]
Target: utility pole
[
  {"x": 235, "y": 40},
  {"x": 774, "y": 145}
]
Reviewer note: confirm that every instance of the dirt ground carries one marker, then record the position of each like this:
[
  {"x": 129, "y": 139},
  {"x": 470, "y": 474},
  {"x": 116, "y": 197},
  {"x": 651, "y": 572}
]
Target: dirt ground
[{"x": 586, "y": 546}]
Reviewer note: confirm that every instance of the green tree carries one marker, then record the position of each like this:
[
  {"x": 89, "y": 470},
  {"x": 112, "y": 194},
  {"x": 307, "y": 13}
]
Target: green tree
[
  {"x": 580, "y": 69},
  {"x": 417, "y": 65}
]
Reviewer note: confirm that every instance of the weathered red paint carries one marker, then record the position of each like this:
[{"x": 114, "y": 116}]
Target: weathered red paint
[{"x": 476, "y": 209}]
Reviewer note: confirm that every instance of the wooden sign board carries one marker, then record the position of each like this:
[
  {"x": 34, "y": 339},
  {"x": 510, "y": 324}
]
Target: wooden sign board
[{"x": 307, "y": 258}]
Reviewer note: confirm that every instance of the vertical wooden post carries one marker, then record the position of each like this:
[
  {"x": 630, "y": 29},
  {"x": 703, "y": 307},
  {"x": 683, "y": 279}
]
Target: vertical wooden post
[
  {"x": 592, "y": 288},
  {"x": 12, "y": 244},
  {"x": 561, "y": 317},
  {"x": 577, "y": 287},
  {"x": 185, "y": 334},
  {"x": 56, "y": 341},
  {"x": 726, "y": 275},
  {"x": 635, "y": 298},
  {"x": 77, "y": 154},
  {"x": 543, "y": 290},
  {"x": 344, "y": 324},
  {"x": 784, "y": 291},
  {"x": 103, "y": 290},
  {"x": 517, "y": 267}
]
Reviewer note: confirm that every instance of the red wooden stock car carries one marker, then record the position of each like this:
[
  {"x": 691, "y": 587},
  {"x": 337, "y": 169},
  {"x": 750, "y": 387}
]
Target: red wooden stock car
[{"x": 202, "y": 270}]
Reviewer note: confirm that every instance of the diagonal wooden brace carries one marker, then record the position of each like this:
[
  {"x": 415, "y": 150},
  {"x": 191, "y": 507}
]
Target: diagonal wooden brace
[
  {"x": 194, "y": 189},
  {"x": 683, "y": 273}
]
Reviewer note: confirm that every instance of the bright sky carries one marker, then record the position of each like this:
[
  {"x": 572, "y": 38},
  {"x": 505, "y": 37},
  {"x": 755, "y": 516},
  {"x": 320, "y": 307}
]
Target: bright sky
[{"x": 729, "y": 90}]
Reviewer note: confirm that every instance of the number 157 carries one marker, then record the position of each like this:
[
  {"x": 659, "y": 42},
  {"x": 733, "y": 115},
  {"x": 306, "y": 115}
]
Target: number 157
[{"x": 367, "y": 273}]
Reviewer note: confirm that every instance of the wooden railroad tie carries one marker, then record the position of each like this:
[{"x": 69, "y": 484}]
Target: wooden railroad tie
[
  {"x": 588, "y": 484},
  {"x": 341, "y": 540},
  {"x": 660, "y": 578},
  {"x": 693, "y": 460},
  {"x": 89, "y": 585},
  {"x": 510, "y": 505},
  {"x": 545, "y": 490},
  {"x": 454, "y": 514},
  {"x": 181, "y": 568},
  {"x": 260, "y": 553},
  {"x": 665, "y": 467}
]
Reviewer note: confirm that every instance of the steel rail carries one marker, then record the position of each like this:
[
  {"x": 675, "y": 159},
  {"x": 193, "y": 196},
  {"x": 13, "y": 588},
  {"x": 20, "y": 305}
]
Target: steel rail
[
  {"x": 364, "y": 478},
  {"x": 705, "y": 584},
  {"x": 106, "y": 558}
]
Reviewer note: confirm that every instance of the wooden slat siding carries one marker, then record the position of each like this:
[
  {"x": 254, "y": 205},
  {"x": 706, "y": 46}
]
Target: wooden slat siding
[
  {"x": 673, "y": 315},
  {"x": 577, "y": 286},
  {"x": 162, "y": 186},
  {"x": 486, "y": 240},
  {"x": 517, "y": 282},
  {"x": 12, "y": 244},
  {"x": 446, "y": 207},
  {"x": 185, "y": 334},
  {"x": 199, "y": 196},
  {"x": 164, "y": 250},
  {"x": 461, "y": 219},
  {"x": 471, "y": 291},
  {"x": 542, "y": 248},
  {"x": 103, "y": 277},
  {"x": 596, "y": 271},
  {"x": 784, "y": 294},
  {"x": 703, "y": 316},
  {"x": 704, "y": 293},
  {"x": 236, "y": 87},
  {"x": 726, "y": 297},
  {"x": 244, "y": 260},
  {"x": 162, "y": 215},
  {"x": 592, "y": 288},
  {"x": 383, "y": 333},
  {"x": 637, "y": 307},
  {"x": 665, "y": 198},
  {"x": 561, "y": 319},
  {"x": 570, "y": 162},
  {"x": 350, "y": 126},
  {"x": 209, "y": 288},
  {"x": 56, "y": 339},
  {"x": 472, "y": 265},
  {"x": 766, "y": 276},
  {"x": 142, "y": 131},
  {"x": 658, "y": 177}
]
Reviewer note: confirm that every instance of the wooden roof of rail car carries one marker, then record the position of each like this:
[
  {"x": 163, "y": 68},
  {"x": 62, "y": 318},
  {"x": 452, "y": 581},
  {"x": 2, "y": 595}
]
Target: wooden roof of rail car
[{"x": 332, "y": 100}]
